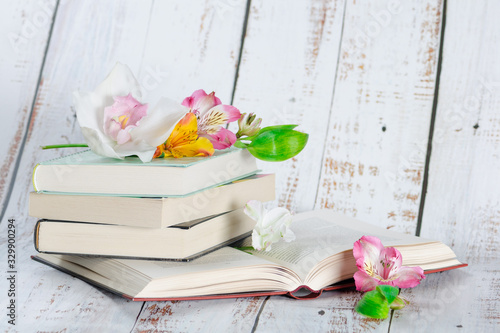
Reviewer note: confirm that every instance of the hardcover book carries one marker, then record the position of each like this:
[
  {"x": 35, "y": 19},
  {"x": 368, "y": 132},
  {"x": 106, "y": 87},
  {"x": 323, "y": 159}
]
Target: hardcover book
[
  {"x": 88, "y": 173},
  {"x": 152, "y": 212},
  {"x": 319, "y": 259},
  {"x": 183, "y": 241}
]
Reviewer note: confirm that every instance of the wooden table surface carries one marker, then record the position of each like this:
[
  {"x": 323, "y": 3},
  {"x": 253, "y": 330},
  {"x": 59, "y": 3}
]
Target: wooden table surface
[{"x": 401, "y": 100}]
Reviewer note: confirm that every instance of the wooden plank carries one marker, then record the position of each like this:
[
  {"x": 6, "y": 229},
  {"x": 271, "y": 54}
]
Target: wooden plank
[
  {"x": 79, "y": 57},
  {"x": 462, "y": 299},
  {"x": 463, "y": 200},
  {"x": 332, "y": 312},
  {"x": 377, "y": 137},
  {"x": 202, "y": 55},
  {"x": 52, "y": 301},
  {"x": 194, "y": 45},
  {"x": 234, "y": 315},
  {"x": 461, "y": 207},
  {"x": 24, "y": 27},
  {"x": 287, "y": 76}
]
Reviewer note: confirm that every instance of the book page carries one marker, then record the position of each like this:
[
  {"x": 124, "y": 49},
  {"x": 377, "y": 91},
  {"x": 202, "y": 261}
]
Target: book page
[
  {"x": 320, "y": 235},
  {"x": 224, "y": 258}
]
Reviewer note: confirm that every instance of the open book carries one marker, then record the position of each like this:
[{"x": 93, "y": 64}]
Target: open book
[{"x": 319, "y": 258}]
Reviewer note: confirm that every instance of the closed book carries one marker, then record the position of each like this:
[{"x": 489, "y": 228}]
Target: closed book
[
  {"x": 183, "y": 241},
  {"x": 319, "y": 259},
  {"x": 149, "y": 212},
  {"x": 88, "y": 173}
]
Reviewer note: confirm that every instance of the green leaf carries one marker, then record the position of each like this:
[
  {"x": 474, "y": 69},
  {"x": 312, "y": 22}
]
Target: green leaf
[
  {"x": 373, "y": 305},
  {"x": 390, "y": 293},
  {"x": 239, "y": 144},
  {"x": 275, "y": 127},
  {"x": 399, "y": 303},
  {"x": 277, "y": 144}
]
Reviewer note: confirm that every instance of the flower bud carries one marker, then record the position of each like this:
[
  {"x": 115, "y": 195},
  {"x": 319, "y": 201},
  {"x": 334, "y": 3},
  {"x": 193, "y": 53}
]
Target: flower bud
[{"x": 248, "y": 125}]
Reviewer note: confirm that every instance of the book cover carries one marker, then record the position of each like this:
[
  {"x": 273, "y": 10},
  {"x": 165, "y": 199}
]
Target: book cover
[
  {"x": 159, "y": 212},
  {"x": 88, "y": 173}
]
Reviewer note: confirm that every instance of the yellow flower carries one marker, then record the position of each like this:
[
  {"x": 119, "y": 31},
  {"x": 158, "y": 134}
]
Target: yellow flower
[{"x": 184, "y": 141}]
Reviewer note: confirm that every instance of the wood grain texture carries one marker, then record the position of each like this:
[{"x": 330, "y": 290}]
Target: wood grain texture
[
  {"x": 225, "y": 315},
  {"x": 332, "y": 312},
  {"x": 24, "y": 31},
  {"x": 197, "y": 45},
  {"x": 377, "y": 136},
  {"x": 87, "y": 40},
  {"x": 368, "y": 118},
  {"x": 52, "y": 301},
  {"x": 85, "y": 43},
  {"x": 463, "y": 196},
  {"x": 454, "y": 301},
  {"x": 286, "y": 76}
]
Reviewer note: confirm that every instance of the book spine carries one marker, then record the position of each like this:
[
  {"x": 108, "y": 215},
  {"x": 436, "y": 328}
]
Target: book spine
[
  {"x": 35, "y": 234},
  {"x": 33, "y": 178}
]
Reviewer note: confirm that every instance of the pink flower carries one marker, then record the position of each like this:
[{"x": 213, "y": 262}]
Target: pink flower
[
  {"x": 222, "y": 139},
  {"x": 115, "y": 124},
  {"x": 380, "y": 265},
  {"x": 122, "y": 116},
  {"x": 212, "y": 115}
]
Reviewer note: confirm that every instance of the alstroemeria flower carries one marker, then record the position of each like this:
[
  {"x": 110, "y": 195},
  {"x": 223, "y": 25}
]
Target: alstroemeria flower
[
  {"x": 184, "y": 141},
  {"x": 223, "y": 139},
  {"x": 116, "y": 124},
  {"x": 248, "y": 125},
  {"x": 271, "y": 225},
  {"x": 379, "y": 265},
  {"x": 211, "y": 113}
]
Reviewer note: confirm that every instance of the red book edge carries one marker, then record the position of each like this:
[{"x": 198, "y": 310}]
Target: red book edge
[{"x": 312, "y": 293}]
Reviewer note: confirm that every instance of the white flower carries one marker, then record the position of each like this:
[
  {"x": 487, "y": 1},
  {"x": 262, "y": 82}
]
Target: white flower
[
  {"x": 115, "y": 124},
  {"x": 271, "y": 225}
]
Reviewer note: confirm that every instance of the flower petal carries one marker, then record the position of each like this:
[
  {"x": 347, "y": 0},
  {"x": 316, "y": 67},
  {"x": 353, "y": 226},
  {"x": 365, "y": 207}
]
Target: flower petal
[
  {"x": 184, "y": 141},
  {"x": 222, "y": 139},
  {"x": 98, "y": 143},
  {"x": 156, "y": 127},
  {"x": 201, "y": 147},
  {"x": 232, "y": 113},
  {"x": 211, "y": 121},
  {"x": 200, "y": 102},
  {"x": 255, "y": 209},
  {"x": 289, "y": 235},
  {"x": 276, "y": 217},
  {"x": 89, "y": 112},
  {"x": 257, "y": 241},
  {"x": 90, "y": 106},
  {"x": 138, "y": 147},
  {"x": 194, "y": 98},
  {"x": 409, "y": 277},
  {"x": 120, "y": 82},
  {"x": 367, "y": 245},
  {"x": 389, "y": 263},
  {"x": 365, "y": 282},
  {"x": 367, "y": 248}
]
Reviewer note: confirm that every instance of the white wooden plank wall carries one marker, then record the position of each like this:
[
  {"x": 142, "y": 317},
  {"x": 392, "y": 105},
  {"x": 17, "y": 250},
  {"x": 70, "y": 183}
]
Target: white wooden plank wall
[
  {"x": 358, "y": 76},
  {"x": 379, "y": 120},
  {"x": 287, "y": 75},
  {"x": 25, "y": 27},
  {"x": 462, "y": 206}
]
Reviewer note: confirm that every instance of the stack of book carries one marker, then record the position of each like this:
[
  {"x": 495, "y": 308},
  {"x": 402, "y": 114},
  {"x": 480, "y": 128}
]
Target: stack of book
[
  {"x": 110, "y": 222},
  {"x": 171, "y": 209}
]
